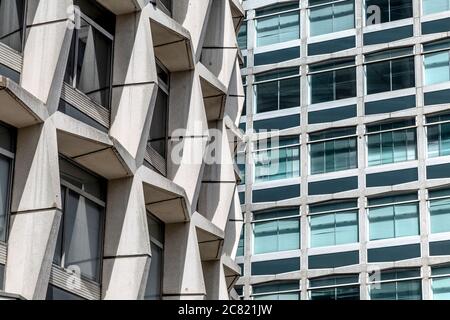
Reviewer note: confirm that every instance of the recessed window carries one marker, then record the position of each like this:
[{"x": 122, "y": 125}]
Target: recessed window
[
  {"x": 165, "y": 5},
  {"x": 393, "y": 216},
  {"x": 333, "y": 80},
  {"x": 437, "y": 62},
  {"x": 277, "y": 24},
  {"x": 390, "y": 70},
  {"x": 333, "y": 150},
  {"x": 240, "y": 162},
  {"x": 439, "y": 206},
  {"x": 343, "y": 287},
  {"x": 440, "y": 282},
  {"x": 389, "y": 10},
  {"x": 435, "y": 6},
  {"x": 156, "y": 229},
  {"x": 438, "y": 134},
  {"x": 399, "y": 284},
  {"x": 331, "y": 16},
  {"x": 391, "y": 142},
  {"x": 276, "y": 230},
  {"x": 55, "y": 293},
  {"x": 277, "y": 90},
  {"x": 79, "y": 243},
  {"x": 7, "y": 150},
  {"x": 89, "y": 68},
  {"x": 333, "y": 223},
  {"x": 277, "y": 291},
  {"x": 277, "y": 159},
  {"x": 12, "y": 14}
]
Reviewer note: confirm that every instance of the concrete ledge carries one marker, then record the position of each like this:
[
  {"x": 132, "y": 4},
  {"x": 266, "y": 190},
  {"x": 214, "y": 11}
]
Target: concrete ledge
[
  {"x": 164, "y": 198},
  {"x": 119, "y": 7},
  {"x": 172, "y": 43},
  {"x": 18, "y": 107}
]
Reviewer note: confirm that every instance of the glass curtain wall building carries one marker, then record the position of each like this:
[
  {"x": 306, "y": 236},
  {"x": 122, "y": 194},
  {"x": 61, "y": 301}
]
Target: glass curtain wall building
[{"x": 350, "y": 198}]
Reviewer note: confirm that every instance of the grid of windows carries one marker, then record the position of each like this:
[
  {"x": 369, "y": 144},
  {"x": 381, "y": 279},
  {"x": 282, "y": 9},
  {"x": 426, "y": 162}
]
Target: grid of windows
[{"x": 381, "y": 138}]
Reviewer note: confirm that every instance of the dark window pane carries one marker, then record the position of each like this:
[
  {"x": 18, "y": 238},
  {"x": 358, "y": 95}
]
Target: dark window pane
[
  {"x": 54, "y": 293},
  {"x": 289, "y": 93},
  {"x": 158, "y": 129},
  {"x": 345, "y": 83},
  {"x": 267, "y": 97},
  {"x": 322, "y": 87},
  {"x": 153, "y": 290},
  {"x": 5, "y": 168},
  {"x": 378, "y": 77},
  {"x": 401, "y": 9},
  {"x": 403, "y": 73}
]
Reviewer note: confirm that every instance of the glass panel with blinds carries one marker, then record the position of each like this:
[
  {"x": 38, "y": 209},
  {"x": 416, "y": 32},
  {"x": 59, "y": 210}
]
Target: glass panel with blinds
[
  {"x": 333, "y": 150},
  {"x": 390, "y": 10},
  {"x": 276, "y": 230},
  {"x": 277, "y": 291},
  {"x": 156, "y": 230},
  {"x": 80, "y": 235},
  {"x": 342, "y": 287},
  {"x": 440, "y": 282},
  {"x": 277, "y": 90},
  {"x": 437, "y": 62},
  {"x": 7, "y": 150},
  {"x": 277, "y": 159},
  {"x": 391, "y": 142},
  {"x": 390, "y": 70},
  {"x": 401, "y": 284},
  {"x": 439, "y": 207},
  {"x": 277, "y": 24},
  {"x": 12, "y": 14},
  {"x": 393, "y": 216},
  {"x": 241, "y": 244},
  {"x": 435, "y": 6},
  {"x": 438, "y": 135},
  {"x": 89, "y": 68},
  {"x": 242, "y": 36},
  {"x": 327, "y": 16},
  {"x": 333, "y": 80},
  {"x": 333, "y": 223}
]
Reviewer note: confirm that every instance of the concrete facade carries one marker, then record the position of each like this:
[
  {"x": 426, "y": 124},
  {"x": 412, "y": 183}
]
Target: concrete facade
[{"x": 194, "y": 43}]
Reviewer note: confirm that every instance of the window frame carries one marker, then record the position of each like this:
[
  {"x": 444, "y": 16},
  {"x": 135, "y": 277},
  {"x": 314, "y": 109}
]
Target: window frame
[
  {"x": 393, "y": 204},
  {"x": 438, "y": 276},
  {"x": 279, "y": 13},
  {"x": 426, "y": 52},
  {"x": 396, "y": 280},
  {"x": 11, "y": 157},
  {"x": 22, "y": 30},
  {"x": 439, "y": 123},
  {"x": 278, "y": 80},
  {"x": 332, "y": 4},
  {"x": 365, "y": 6},
  {"x": 67, "y": 187},
  {"x": 255, "y": 222},
  {"x": 160, "y": 245},
  {"x": 258, "y": 150},
  {"x": 343, "y": 137},
  {"x": 79, "y": 16},
  {"x": 430, "y": 199},
  {"x": 335, "y": 212},
  {"x": 368, "y": 134},
  {"x": 269, "y": 293},
  {"x": 389, "y": 59},
  {"x": 335, "y": 286},
  {"x": 428, "y": 14},
  {"x": 348, "y": 63}
]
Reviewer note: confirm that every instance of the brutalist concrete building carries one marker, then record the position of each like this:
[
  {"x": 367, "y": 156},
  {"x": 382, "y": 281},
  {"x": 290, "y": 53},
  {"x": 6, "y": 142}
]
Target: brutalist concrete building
[
  {"x": 353, "y": 201},
  {"x": 106, "y": 114}
]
